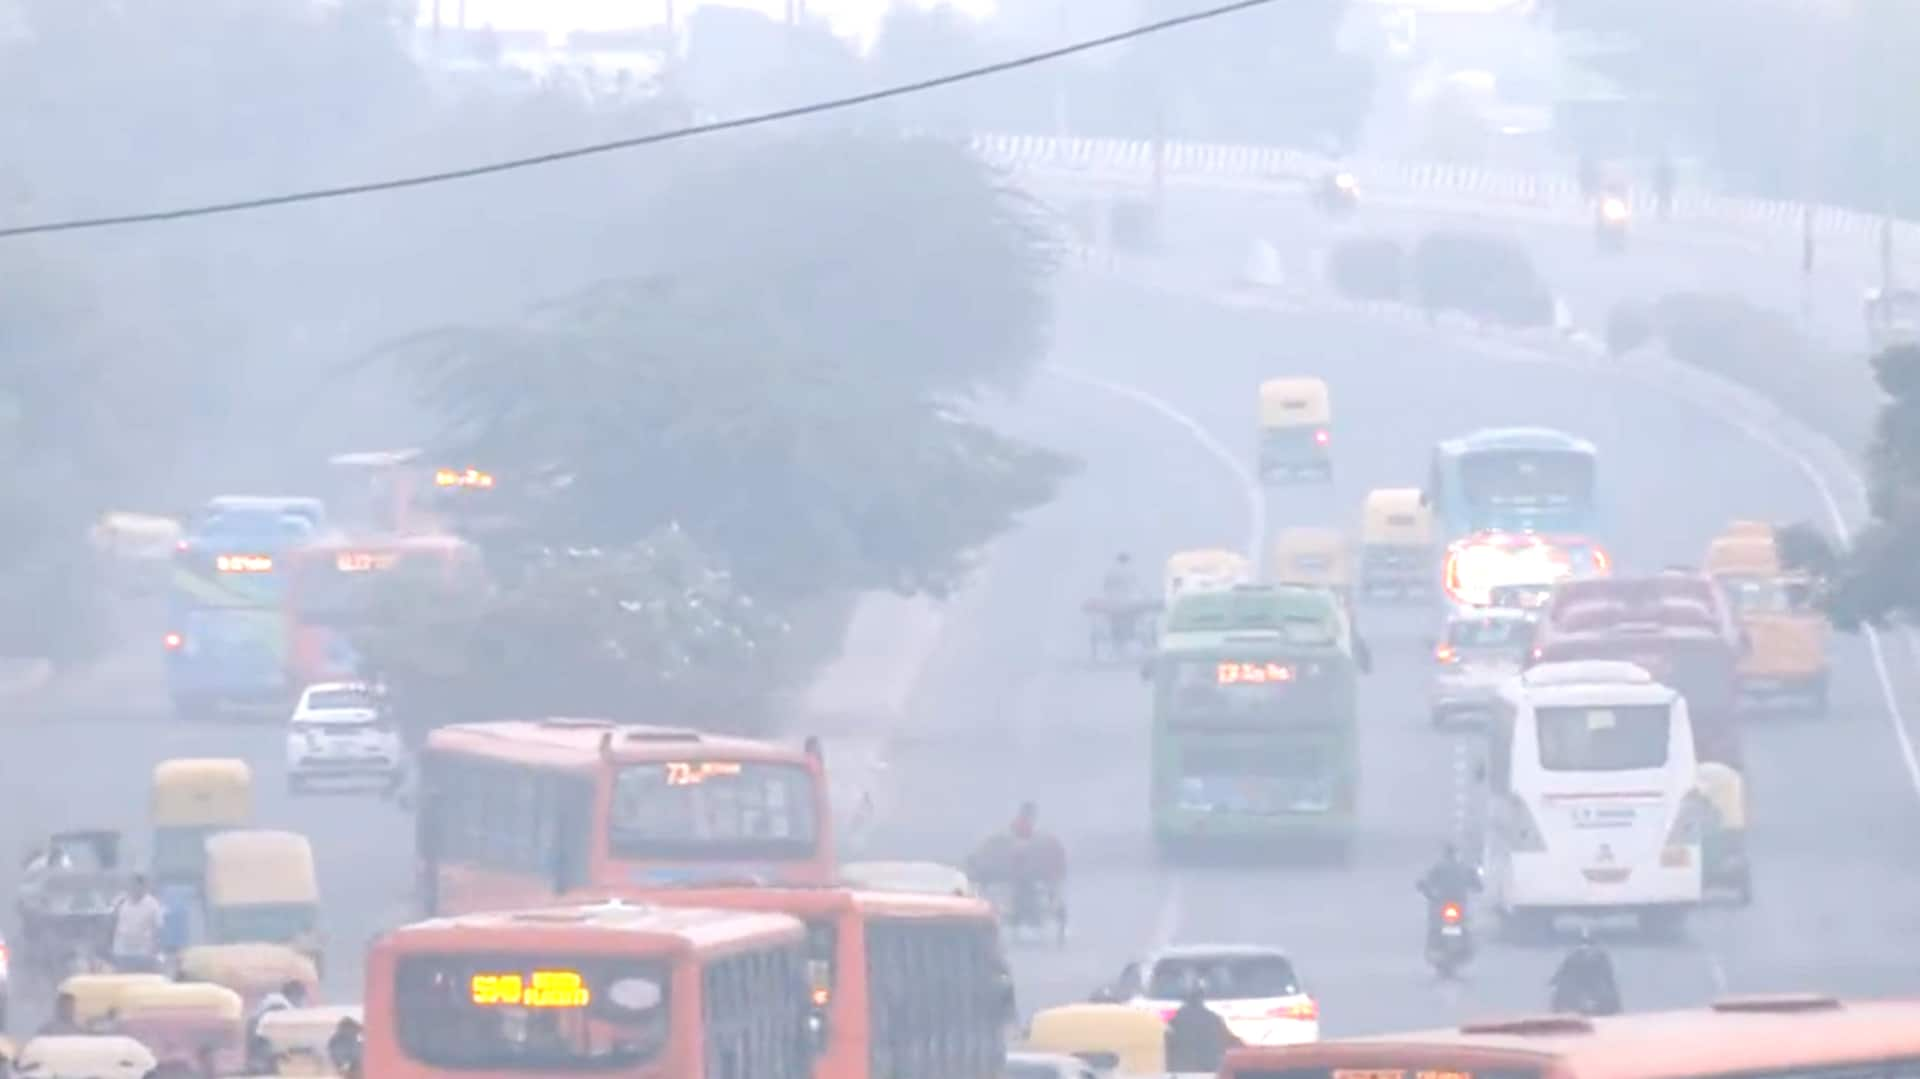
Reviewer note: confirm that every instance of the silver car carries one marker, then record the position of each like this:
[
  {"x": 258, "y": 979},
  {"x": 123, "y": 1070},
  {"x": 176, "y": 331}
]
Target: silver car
[{"x": 1478, "y": 649}]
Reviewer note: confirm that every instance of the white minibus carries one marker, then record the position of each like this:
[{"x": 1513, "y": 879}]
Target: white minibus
[{"x": 1591, "y": 808}]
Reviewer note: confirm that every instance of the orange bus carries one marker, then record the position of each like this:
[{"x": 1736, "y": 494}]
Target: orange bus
[
  {"x": 519, "y": 813},
  {"x": 912, "y": 985},
  {"x": 1780, "y": 1037},
  {"x": 333, "y": 586},
  {"x": 642, "y": 992}
]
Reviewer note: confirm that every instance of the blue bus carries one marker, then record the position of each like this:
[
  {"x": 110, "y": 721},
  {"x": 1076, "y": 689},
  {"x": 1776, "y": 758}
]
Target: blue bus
[
  {"x": 1515, "y": 479},
  {"x": 227, "y": 631}
]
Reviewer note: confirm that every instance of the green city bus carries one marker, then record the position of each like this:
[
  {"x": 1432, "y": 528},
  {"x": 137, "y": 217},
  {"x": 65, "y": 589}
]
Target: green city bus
[{"x": 1255, "y": 720}]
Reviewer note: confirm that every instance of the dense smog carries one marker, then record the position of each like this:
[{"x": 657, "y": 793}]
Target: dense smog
[{"x": 1402, "y": 521}]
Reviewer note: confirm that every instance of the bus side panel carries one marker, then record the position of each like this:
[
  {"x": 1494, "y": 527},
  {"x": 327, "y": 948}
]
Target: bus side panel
[{"x": 470, "y": 889}]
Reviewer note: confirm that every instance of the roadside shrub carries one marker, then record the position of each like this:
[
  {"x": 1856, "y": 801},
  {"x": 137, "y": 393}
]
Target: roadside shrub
[
  {"x": 1368, "y": 268},
  {"x": 1483, "y": 275},
  {"x": 1629, "y": 325}
]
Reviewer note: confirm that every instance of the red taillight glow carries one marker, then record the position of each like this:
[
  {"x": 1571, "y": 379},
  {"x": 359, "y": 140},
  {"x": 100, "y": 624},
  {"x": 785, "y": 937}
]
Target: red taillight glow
[
  {"x": 1602, "y": 563},
  {"x": 1445, "y": 654},
  {"x": 1450, "y": 913},
  {"x": 1306, "y": 1008},
  {"x": 173, "y": 641},
  {"x": 1321, "y": 437},
  {"x": 181, "y": 545},
  {"x": 1166, "y": 1014}
]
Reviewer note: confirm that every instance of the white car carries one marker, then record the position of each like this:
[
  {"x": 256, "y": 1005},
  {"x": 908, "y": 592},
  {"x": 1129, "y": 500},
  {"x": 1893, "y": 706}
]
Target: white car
[
  {"x": 1048, "y": 1066},
  {"x": 1254, "y": 989},
  {"x": 1479, "y": 650},
  {"x": 339, "y": 735}
]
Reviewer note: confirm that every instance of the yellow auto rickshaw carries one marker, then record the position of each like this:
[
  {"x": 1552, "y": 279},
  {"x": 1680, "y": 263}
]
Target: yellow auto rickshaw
[
  {"x": 1397, "y": 551},
  {"x": 195, "y": 1024},
  {"x": 1785, "y": 661},
  {"x": 83, "y": 1056},
  {"x": 251, "y": 970},
  {"x": 1123, "y": 1040},
  {"x": 1726, "y": 875},
  {"x": 1312, "y": 556},
  {"x": 1205, "y": 571},
  {"x": 261, "y": 888},
  {"x": 97, "y": 996},
  {"x": 193, "y": 799},
  {"x": 1296, "y": 430},
  {"x": 297, "y": 1040}
]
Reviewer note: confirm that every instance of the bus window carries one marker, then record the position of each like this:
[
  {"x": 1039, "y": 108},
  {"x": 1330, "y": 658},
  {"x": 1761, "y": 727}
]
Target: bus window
[
  {"x": 490, "y": 1013},
  {"x": 1618, "y": 738}
]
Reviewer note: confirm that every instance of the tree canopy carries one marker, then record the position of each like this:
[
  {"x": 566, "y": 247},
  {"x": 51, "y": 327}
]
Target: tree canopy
[
  {"x": 1877, "y": 578},
  {"x": 1786, "y": 98}
]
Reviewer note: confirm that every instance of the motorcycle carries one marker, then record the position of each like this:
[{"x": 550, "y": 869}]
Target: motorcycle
[
  {"x": 1448, "y": 945},
  {"x": 1611, "y": 220}
]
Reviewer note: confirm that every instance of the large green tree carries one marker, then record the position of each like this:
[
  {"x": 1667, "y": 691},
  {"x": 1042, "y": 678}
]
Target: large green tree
[
  {"x": 1784, "y": 97},
  {"x": 791, "y": 382},
  {"x": 1878, "y": 578}
]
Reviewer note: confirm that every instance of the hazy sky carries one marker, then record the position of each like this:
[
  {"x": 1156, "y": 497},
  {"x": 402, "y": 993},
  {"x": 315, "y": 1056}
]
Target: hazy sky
[{"x": 858, "y": 18}]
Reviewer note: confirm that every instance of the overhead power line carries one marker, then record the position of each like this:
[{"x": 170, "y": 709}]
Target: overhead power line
[{"x": 512, "y": 164}]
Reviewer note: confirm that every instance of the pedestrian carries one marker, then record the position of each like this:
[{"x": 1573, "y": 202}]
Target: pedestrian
[{"x": 137, "y": 917}]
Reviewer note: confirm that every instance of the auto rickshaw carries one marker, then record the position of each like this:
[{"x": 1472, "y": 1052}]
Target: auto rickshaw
[
  {"x": 1785, "y": 661},
  {"x": 194, "y": 798},
  {"x": 83, "y": 1056},
  {"x": 1313, "y": 556},
  {"x": 262, "y": 888},
  {"x": 65, "y": 901},
  {"x": 1726, "y": 875},
  {"x": 1296, "y": 431},
  {"x": 251, "y": 970},
  {"x": 299, "y": 1040},
  {"x": 1128, "y": 1041},
  {"x": 1204, "y": 570},
  {"x": 925, "y": 878},
  {"x": 97, "y": 997},
  {"x": 188, "y": 1024},
  {"x": 1397, "y": 552}
]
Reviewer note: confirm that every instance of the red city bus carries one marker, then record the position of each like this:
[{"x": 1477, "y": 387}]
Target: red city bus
[
  {"x": 1805, "y": 1037},
  {"x": 519, "y": 813},
  {"x": 332, "y": 587},
  {"x": 909, "y": 984},
  {"x": 644, "y": 992}
]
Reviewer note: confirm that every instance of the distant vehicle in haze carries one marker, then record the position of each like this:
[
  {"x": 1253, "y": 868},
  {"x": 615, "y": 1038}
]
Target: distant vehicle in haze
[{"x": 1515, "y": 479}]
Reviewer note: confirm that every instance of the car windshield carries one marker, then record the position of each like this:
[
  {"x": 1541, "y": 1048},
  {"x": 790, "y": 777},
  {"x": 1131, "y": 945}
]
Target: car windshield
[
  {"x": 1617, "y": 738},
  {"x": 1489, "y": 632},
  {"x": 1762, "y": 595},
  {"x": 1226, "y": 977},
  {"x": 329, "y": 700},
  {"x": 706, "y": 809}
]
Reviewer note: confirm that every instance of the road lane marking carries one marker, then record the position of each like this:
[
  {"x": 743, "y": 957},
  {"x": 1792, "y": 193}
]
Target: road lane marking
[{"x": 1167, "y": 923}]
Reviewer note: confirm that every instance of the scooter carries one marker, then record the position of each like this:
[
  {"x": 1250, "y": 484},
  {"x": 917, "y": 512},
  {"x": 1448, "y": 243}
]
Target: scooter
[{"x": 1448, "y": 945}]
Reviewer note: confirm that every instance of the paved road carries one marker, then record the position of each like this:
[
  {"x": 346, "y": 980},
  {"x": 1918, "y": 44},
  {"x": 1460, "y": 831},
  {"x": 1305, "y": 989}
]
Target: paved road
[{"x": 1008, "y": 709}]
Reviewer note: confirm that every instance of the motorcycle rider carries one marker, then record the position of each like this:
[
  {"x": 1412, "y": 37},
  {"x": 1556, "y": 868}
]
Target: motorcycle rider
[
  {"x": 1197, "y": 1038},
  {"x": 1584, "y": 982},
  {"x": 1449, "y": 880}
]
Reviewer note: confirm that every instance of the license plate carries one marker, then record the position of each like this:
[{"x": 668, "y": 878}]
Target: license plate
[{"x": 1450, "y": 931}]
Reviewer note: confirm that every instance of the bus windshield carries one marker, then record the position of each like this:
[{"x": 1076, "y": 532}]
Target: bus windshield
[
  {"x": 1526, "y": 479},
  {"x": 500, "y": 1013},
  {"x": 1617, "y": 738},
  {"x": 709, "y": 809}
]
